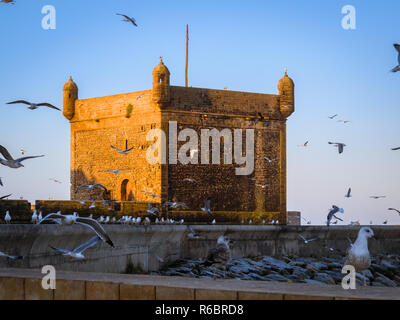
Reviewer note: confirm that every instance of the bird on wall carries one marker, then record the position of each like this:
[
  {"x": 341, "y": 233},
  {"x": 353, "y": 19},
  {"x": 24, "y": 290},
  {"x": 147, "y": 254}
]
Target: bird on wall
[
  {"x": 125, "y": 152},
  {"x": 33, "y": 106},
  {"x": 397, "y": 47},
  {"x": 77, "y": 253},
  {"x": 358, "y": 254},
  {"x": 339, "y": 145},
  {"x": 128, "y": 19},
  {"x": 67, "y": 220},
  {"x": 90, "y": 187},
  {"x": 10, "y": 162}
]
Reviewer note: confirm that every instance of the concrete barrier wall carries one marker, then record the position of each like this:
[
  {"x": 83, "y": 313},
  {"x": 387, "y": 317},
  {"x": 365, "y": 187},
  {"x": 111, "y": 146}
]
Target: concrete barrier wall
[{"x": 141, "y": 247}]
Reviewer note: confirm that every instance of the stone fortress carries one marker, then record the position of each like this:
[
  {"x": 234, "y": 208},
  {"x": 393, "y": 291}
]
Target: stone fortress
[{"x": 124, "y": 120}]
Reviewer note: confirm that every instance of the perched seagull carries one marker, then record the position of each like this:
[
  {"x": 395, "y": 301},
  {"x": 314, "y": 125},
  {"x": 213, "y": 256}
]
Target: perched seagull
[
  {"x": 33, "y": 106},
  {"x": 90, "y": 187},
  {"x": 385, "y": 222},
  {"x": 77, "y": 253},
  {"x": 332, "y": 212},
  {"x": 67, "y": 220},
  {"x": 114, "y": 171},
  {"x": 270, "y": 160},
  {"x": 220, "y": 255},
  {"x": 2, "y": 254},
  {"x": 189, "y": 180},
  {"x": 7, "y": 217},
  {"x": 34, "y": 218},
  {"x": 332, "y": 117},
  {"x": 152, "y": 195},
  {"x": 207, "y": 205},
  {"x": 40, "y": 216},
  {"x": 305, "y": 144},
  {"x": 10, "y": 161},
  {"x": 101, "y": 219},
  {"x": 152, "y": 210},
  {"x": 125, "y": 152},
  {"x": 393, "y": 209},
  {"x": 358, "y": 254},
  {"x": 348, "y": 194},
  {"x": 5, "y": 197},
  {"x": 214, "y": 221},
  {"x": 339, "y": 145},
  {"x": 397, "y": 68},
  {"x": 128, "y": 19},
  {"x": 395, "y": 149},
  {"x": 306, "y": 241},
  {"x": 146, "y": 221},
  {"x": 377, "y": 197},
  {"x": 1, "y": 182},
  {"x": 55, "y": 180}
]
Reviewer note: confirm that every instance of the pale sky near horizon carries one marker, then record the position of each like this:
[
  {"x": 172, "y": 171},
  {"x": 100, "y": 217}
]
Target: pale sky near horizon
[{"x": 242, "y": 45}]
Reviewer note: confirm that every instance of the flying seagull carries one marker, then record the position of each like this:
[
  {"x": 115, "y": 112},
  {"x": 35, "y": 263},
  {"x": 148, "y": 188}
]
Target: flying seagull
[
  {"x": 348, "y": 194},
  {"x": 33, "y": 106},
  {"x": 152, "y": 195},
  {"x": 358, "y": 254},
  {"x": 332, "y": 117},
  {"x": 377, "y": 197},
  {"x": 207, "y": 205},
  {"x": 10, "y": 162},
  {"x": 395, "y": 149},
  {"x": 397, "y": 47},
  {"x": 128, "y": 19},
  {"x": 344, "y": 121},
  {"x": 306, "y": 241},
  {"x": 77, "y": 253},
  {"x": 393, "y": 209},
  {"x": 339, "y": 145},
  {"x": 90, "y": 187},
  {"x": 125, "y": 152},
  {"x": 55, "y": 180},
  {"x": 152, "y": 210},
  {"x": 270, "y": 160},
  {"x": 2, "y": 254},
  {"x": 174, "y": 205},
  {"x": 71, "y": 219},
  {"x": 114, "y": 171},
  {"x": 189, "y": 180},
  {"x": 305, "y": 144},
  {"x": 332, "y": 212}
]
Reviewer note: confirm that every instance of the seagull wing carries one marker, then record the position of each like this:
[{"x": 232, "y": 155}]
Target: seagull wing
[
  {"x": 83, "y": 186},
  {"x": 115, "y": 148},
  {"x": 5, "y": 153},
  {"x": 4, "y": 197},
  {"x": 127, "y": 150},
  {"x": 96, "y": 227},
  {"x": 47, "y": 105},
  {"x": 60, "y": 250},
  {"x": 93, "y": 241},
  {"x": 340, "y": 146},
  {"x": 51, "y": 216},
  {"x": 302, "y": 237},
  {"x": 100, "y": 186},
  {"x": 19, "y": 101},
  {"x": 26, "y": 158}
]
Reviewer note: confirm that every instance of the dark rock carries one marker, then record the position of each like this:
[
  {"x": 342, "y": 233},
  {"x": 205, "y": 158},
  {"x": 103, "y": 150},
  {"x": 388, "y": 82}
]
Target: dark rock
[{"x": 323, "y": 277}]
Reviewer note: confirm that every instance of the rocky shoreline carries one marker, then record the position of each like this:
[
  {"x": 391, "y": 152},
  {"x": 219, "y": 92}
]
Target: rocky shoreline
[{"x": 384, "y": 270}]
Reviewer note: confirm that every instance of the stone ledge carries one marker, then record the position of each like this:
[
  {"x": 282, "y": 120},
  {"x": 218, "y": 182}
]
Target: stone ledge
[{"x": 118, "y": 286}]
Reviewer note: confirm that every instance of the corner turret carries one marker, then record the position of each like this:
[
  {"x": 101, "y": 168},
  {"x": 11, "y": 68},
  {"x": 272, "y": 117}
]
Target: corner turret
[
  {"x": 70, "y": 95},
  {"x": 286, "y": 93},
  {"x": 161, "y": 89}
]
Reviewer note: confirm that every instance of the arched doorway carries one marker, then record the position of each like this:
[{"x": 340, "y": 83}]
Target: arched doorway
[{"x": 126, "y": 191}]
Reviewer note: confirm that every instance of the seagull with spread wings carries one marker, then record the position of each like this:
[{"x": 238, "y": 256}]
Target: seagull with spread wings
[
  {"x": 152, "y": 195},
  {"x": 397, "y": 47},
  {"x": 393, "y": 209},
  {"x": 306, "y": 241},
  {"x": 270, "y": 160},
  {"x": 70, "y": 219},
  {"x": 332, "y": 117},
  {"x": 377, "y": 197},
  {"x": 128, "y": 19},
  {"x": 332, "y": 212},
  {"x": 305, "y": 144},
  {"x": 77, "y": 253},
  {"x": 152, "y": 210},
  {"x": 125, "y": 152},
  {"x": 33, "y": 106},
  {"x": 90, "y": 187},
  {"x": 10, "y": 162}
]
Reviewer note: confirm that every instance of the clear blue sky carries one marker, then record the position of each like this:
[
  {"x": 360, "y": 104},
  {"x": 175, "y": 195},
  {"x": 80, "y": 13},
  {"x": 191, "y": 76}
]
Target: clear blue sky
[{"x": 242, "y": 45}]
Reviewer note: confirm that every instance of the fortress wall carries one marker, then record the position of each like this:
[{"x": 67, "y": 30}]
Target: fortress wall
[
  {"x": 141, "y": 245},
  {"x": 225, "y": 101}
]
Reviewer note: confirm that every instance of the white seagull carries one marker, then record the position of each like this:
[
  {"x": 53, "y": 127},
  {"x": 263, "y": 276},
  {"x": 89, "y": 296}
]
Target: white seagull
[
  {"x": 10, "y": 162},
  {"x": 7, "y": 217},
  {"x": 33, "y": 106},
  {"x": 152, "y": 210},
  {"x": 67, "y": 220},
  {"x": 77, "y": 253},
  {"x": 358, "y": 254}
]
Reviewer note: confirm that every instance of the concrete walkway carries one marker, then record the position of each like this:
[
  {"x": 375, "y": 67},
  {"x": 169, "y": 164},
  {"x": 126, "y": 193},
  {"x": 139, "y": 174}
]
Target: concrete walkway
[{"x": 25, "y": 284}]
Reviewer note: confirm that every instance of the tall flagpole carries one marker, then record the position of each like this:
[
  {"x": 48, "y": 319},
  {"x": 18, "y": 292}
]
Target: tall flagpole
[{"x": 187, "y": 55}]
